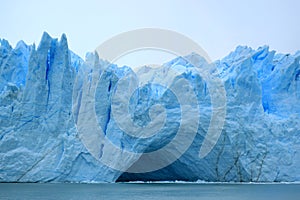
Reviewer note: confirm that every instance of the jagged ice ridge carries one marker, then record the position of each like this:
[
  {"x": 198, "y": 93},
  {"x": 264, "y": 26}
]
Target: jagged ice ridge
[{"x": 39, "y": 141}]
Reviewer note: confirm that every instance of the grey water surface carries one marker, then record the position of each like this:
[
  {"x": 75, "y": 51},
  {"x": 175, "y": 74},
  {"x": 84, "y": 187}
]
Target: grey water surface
[{"x": 161, "y": 191}]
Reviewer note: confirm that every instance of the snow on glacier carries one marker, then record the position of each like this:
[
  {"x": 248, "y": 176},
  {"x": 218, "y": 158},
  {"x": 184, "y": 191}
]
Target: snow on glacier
[{"x": 39, "y": 141}]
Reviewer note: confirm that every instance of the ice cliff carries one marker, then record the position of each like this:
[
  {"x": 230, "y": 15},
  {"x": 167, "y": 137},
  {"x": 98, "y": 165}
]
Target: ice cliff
[{"x": 42, "y": 92}]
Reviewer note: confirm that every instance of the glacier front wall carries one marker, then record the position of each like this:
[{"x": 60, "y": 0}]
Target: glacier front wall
[{"x": 39, "y": 141}]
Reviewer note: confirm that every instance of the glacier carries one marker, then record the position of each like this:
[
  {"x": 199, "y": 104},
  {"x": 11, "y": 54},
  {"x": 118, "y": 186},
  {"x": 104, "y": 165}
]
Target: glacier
[{"x": 42, "y": 92}]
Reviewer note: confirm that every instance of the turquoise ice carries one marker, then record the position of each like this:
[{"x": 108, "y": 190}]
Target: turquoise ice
[{"x": 41, "y": 96}]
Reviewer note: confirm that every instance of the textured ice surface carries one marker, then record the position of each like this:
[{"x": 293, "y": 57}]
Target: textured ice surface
[{"x": 39, "y": 141}]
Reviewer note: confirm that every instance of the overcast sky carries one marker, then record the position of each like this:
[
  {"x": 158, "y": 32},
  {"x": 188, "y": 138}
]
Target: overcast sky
[{"x": 218, "y": 26}]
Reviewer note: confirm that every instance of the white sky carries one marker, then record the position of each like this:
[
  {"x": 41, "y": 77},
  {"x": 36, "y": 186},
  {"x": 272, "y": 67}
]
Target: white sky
[{"x": 218, "y": 26}]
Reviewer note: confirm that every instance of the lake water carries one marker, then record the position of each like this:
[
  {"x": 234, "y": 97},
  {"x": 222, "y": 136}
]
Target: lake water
[{"x": 157, "y": 191}]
